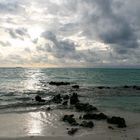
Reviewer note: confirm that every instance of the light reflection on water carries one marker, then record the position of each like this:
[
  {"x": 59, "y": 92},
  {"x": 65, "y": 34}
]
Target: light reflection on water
[
  {"x": 32, "y": 82},
  {"x": 31, "y": 124},
  {"x": 40, "y": 123},
  {"x": 34, "y": 124}
]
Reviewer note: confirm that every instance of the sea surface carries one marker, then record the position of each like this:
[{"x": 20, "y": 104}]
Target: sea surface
[{"x": 104, "y": 88}]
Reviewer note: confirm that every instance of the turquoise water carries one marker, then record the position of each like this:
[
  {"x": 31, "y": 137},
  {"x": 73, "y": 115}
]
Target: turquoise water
[{"x": 18, "y": 86}]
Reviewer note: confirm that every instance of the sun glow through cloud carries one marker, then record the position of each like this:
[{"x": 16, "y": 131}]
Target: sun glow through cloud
[
  {"x": 63, "y": 33},
  {"x": 35, "y": 32}
]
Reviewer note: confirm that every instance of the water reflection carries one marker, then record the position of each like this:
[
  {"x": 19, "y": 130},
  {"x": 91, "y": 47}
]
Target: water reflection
[
  {"x": 34, "y": 124},
  {"x": 33, "y": 78},
  {"x": 40, "y": 123}
]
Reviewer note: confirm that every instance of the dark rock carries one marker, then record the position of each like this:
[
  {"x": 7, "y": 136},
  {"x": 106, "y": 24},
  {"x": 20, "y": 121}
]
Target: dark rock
[
  {"x": 75, "y": 86},
  {"x": 39, "y": 99},
  {"x": 103, "y": 87},
  {"x": 57, "y": 99},
  {"x": 72, "y": 131},
  {"x": 74, "y": 99},
  {"x": 70, "y": 119},
  {"x": 85, "y": 107},
  {"x": 110, "y": 127},
  {"x": 48, "y": 109},
  {"x": 117, "y": 120},
  {"x": 65, "y": 97},
  {"x": 65, "y": 103},
  {"x": 88, "y": 124},
  {"x": 125, "y": 86},
  {"x": 136, "y": 87},
  {"x": 59, "y": 83},
  {"x": 80, "y": 117},
  {"x": 100, "y": 116},
  {"x": 100, "y": 87}
]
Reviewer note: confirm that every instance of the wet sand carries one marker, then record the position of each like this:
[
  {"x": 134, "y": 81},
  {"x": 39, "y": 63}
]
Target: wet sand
[{"x": 48, "y": 125}]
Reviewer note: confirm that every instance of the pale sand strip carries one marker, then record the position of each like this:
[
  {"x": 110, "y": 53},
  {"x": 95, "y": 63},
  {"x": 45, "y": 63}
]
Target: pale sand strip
[{"x": 23, "y": 126}]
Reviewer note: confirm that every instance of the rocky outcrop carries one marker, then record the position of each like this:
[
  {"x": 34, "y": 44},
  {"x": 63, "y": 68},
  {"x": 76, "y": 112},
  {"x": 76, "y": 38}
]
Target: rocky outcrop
[
  {"x": 72, "y": 131},
  {"x": 75, "y": 86},
  {"x": 86, "y": 107},
  {"x": 120, "y": 122},
  {"x": 39, "y": 99},
  {"x": 57, "y": 99},
  {"x": 88, "y": 124},
  {"x": 74, "y": 99},
  {"x": 59, "y": 83},
  {"x": 70, "y": 119},
  {"x": 90, "y": 116}
]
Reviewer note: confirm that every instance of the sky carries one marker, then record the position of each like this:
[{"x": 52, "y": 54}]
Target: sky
[{"x": 70, "y": 33}]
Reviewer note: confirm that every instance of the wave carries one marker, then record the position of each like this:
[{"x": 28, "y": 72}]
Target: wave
[{"x": 24, "y": 101}]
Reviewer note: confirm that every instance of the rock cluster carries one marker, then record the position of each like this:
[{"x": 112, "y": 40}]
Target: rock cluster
[
  {"x": 72, "y": 131},
  {"x": 70, "y": 119},
  {"x": 90, "y": 112},
  {"x": 120, "y": 122},
  {"x": 85, "y": 107},
  {"x": 39, "y": 99},
  {"x": 74, "y": 99},
  {"x": 90, "y": 116},
  {"x": 88, "y": 124},
  {"x": 59, "y": 83}
]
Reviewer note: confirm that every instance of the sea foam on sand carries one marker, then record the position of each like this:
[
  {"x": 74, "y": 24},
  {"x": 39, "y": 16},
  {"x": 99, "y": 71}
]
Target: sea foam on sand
[{"x": 48, "y": 125}]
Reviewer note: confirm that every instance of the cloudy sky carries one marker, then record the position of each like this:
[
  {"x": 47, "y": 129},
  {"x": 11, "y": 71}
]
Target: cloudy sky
[{"x": 70, "y": 33}]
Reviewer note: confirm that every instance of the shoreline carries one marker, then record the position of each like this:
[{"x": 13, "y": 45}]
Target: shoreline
[{"x": 37, "y": 125}]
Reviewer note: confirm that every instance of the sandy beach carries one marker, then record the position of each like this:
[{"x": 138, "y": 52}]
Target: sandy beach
[{"x": 48, "y": 125}]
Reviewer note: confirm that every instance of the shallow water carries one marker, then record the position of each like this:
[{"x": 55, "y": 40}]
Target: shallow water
[{"x": 19, "y": 86}]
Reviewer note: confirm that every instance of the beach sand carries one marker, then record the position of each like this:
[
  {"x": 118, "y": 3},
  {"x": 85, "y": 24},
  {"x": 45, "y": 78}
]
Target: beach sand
[{"x": 48, "y": 126}]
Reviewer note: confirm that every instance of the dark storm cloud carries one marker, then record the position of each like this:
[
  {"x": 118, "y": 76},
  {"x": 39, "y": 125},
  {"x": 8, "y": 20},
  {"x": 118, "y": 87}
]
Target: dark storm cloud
[
  {"x": 59, "y": 48},
  {"x": 111, "y": 28},
  {"x": 65, "y": 51}
]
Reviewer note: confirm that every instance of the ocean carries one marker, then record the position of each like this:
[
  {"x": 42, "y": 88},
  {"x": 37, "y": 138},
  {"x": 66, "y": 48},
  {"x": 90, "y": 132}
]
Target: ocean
[{"x": 104, "y": 88}]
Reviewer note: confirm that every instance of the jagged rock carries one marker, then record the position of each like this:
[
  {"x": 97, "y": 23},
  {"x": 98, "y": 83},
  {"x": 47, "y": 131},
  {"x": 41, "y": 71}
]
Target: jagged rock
[
  {"x": 80, "y": 117},
  {"x": 57, "y": 99},
  {"x": 70, "y": 119},
  {"x": 110, "y": 127},
  {"x": 125, "y": 86},
  {"x": 65, "y": 103},
  {"x": 59, "y": 83},
  {"x": 39, "y": 99},
  {"x": 74, "y": 99},
  {"x": 103, "y": 87},
  {"x": 117, "y": 120},
  {"x": 65, "y": 97},
  {"x": 136, "y": 87},
  {"x": 48, "y": 109},
  {"x": 72, "y": 131},
  {"x": 88, "y": 124},
  {"x": 85, "y": 107},
  {"x": 75, "y": 86},
  {"x": 100, "y": 87},
  {"x": 100, "y": 116}
]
